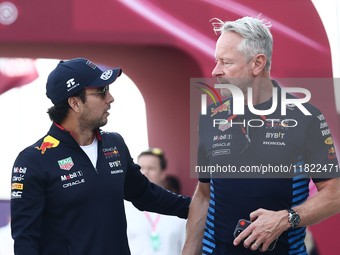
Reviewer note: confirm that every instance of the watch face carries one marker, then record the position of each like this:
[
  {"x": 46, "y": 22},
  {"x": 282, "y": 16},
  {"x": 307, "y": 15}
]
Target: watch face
[{"x": 294, "y": 219}]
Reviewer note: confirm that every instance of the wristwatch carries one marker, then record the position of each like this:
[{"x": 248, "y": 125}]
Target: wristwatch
[{"x": 293, "y": 218}]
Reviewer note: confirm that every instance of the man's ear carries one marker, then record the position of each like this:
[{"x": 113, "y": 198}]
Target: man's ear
[
  {"x": 74, "y": 103},
  {"x": 259, "y": 63}
]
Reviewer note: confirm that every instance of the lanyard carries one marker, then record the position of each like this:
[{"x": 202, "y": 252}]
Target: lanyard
[
  {"x": 155, "y": 239},
  {"x": 153, "y": 223},
  {"x": 246, "y": 133}
]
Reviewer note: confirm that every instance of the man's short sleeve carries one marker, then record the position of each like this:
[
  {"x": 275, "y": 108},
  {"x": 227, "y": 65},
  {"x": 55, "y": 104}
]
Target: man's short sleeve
[{"x": 321, "y": 160}]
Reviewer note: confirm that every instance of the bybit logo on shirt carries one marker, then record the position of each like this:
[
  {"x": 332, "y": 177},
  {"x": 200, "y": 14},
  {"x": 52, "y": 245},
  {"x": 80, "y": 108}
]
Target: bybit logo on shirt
[
  {"x": 275, "y": 135},
  {"x": 115, "y": 163}
]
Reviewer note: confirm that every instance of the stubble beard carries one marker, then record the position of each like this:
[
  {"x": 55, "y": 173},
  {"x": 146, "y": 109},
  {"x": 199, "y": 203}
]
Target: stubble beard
[{"x": 91, "y": 125}]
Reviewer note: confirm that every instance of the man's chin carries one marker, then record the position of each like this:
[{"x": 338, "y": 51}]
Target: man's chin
[
  {"x": 102, "y": 123},
  {"x": 225, "y": 92}
]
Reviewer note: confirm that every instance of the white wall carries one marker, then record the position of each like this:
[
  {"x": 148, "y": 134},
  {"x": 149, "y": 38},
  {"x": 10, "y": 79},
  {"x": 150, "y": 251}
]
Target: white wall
[{"x": 329, "y": 11}]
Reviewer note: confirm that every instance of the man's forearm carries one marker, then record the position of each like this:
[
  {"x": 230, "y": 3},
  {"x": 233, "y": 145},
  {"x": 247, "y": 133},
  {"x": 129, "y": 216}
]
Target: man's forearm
[
  {"x": 160, "y": 200},
  {"x": 325, "y": 203},
  {"x": 196, "y": 221}
]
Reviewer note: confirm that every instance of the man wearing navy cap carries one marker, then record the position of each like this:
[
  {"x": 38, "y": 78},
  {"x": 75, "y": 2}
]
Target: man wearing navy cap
[{"x": 68, "y": 188}]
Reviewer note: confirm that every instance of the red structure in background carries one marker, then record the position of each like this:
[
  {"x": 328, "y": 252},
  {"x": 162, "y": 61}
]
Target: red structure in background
[
  {"x": 16, "y": 73},
  {"x": 162, "y": 44}
]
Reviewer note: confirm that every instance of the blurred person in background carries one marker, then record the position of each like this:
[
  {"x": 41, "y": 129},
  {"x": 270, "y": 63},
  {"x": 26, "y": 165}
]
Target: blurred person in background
[
  {"x": 153, "y": 233},
  {"x": 173, "y": 184},
  {"x": 312, "y": 249}
]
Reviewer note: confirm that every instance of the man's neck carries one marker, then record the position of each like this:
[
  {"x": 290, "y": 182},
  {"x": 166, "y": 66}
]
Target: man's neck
[{"x": 82, "y": 136}]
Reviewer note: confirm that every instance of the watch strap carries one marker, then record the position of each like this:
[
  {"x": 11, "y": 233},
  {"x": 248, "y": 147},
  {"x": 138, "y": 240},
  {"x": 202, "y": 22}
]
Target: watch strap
[{"x": 290, "y": 210}]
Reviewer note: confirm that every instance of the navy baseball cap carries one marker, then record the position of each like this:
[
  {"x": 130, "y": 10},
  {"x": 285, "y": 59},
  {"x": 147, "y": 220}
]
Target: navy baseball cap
[{"x": 73, "y": 75}]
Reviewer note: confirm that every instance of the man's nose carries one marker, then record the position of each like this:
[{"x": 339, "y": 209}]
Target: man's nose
[{"x": 217, "y": 71}]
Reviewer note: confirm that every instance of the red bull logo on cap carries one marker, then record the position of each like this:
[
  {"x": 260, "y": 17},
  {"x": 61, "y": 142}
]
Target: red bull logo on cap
[{"x": 48, "y": 143}]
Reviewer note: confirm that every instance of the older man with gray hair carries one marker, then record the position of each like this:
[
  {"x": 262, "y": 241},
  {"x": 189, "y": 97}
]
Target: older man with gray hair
[{"x": 273, "y": 213}]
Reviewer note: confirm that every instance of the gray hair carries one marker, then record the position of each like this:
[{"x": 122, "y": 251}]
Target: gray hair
[{"x": 257, "y": 38}]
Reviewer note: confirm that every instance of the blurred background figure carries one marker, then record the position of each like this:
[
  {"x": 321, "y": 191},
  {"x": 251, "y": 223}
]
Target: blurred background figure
[
  {"x": 153, "y": 165},
  {"x": 6, "y": 241},
  {"x": 173, "y": 184},
  {"x": 152, "y": 233},
  {"x": 310, "y": 244}
]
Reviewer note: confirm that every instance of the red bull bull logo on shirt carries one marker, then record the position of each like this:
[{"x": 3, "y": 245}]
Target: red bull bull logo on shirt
[
  {"x": 331, "y": 150},
  {"x": 221, "y": 108},
  {"x": 48, "y": 143}
]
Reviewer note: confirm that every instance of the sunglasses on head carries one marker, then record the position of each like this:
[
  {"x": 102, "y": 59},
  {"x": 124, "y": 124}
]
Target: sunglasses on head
[{"x": 155, "y": 151}]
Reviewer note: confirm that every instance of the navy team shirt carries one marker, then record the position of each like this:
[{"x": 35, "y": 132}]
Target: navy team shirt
[
  {"x": 288, "y": 145},
  {"x": 62, "y": 205}
]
